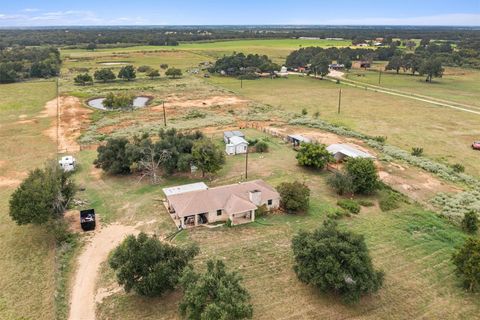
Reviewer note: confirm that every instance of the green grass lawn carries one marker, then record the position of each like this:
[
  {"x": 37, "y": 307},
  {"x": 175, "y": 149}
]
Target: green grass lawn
[
  {"x": 27, "y": 263},
  {"x": 445, "y": 134},
  {"x": 457, "y": 84}
]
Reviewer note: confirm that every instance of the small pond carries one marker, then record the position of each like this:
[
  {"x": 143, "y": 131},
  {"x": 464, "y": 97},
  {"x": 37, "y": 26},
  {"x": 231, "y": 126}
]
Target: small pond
[{"x": 138, "y": 102}]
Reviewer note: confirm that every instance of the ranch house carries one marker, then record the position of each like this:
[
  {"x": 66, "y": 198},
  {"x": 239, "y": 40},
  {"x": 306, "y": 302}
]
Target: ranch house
[{"x": 196, "y": 204}]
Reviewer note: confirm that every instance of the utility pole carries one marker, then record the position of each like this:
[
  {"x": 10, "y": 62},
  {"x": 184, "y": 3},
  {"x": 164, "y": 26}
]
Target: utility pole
[
  {"x": 246, "y": 165},
  {"x": 339, "y": 100},
  {"x": 379, "y": 76},
  {"x": 164, "y": 115},
  {"x": 241, "y": 83}
]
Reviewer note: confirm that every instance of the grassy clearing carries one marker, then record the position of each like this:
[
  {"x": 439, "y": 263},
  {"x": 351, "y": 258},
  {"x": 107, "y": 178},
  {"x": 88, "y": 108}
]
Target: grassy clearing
[
  {"x": 27, "y": 263},
  {"x": 277, "y": 49},
  {"x": 413, "y": 246},
  {"x": 445, "y": 134},
  {"x": 457, "y": 85}
]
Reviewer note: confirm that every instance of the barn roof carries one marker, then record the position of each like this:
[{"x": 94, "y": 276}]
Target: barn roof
[{"x": 348, "y": 151}]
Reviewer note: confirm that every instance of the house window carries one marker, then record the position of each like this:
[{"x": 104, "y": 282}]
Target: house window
[
  {"x": 270, "y": 202},
  {"x": 219, "y": 212}
]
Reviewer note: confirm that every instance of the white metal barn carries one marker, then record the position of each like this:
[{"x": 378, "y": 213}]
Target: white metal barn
[
  {"x": 229, "y": 134},
  {"x": 237, "y": 145},
  {"x": 67, "y": 163},
  {"x": 341, "y": 151}
]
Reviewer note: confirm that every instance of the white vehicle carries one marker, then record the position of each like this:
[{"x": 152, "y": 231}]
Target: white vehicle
[{"x": 67, "y": 163}]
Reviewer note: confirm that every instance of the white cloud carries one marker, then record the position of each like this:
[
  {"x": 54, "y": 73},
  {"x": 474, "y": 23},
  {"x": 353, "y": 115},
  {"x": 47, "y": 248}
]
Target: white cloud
[{"x": 31, "y": 10}]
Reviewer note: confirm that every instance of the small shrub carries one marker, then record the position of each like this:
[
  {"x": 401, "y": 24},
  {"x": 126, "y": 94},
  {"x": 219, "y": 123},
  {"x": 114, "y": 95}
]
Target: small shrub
[
  {"x": 381, "y": 139},
  {"x": 59, "y": 229},
  {"x": 294, "y": 196},
  {"x": 350, "y": 205},
  {"x": 144, "y": 69},
  {"x": 365, "y": 203},
  {"x": 470, "y": 222},
  {"x": 417, "y": 152},
  {"x": 363, "y": 174},
  {"x": 389, "y": 202},
  {"x": 338, "y": 213},
  {"x": 316, "y": 114},
  {"x": 195, "y": 114},
  {"x": 342, "y": 183},
  {"x": 304, "y": 111},
  {"x": 458, "y": 168},
  {"x": 261, "y": 146},
  {"x": 262, "y": 211},
  {"x": 252, "y": 142},
  {"x": 313, "y": 155},
  {"x": 228, "y": 224}
]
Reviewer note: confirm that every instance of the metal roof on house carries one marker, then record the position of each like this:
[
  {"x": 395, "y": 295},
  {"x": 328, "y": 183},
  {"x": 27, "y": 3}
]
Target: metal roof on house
[
  {"x": 185, "y": 188},
  {"x": 235, "y": 140},
  {"x": 234, "y": 133},
  {"x": 233, "y": 198},
  {"x": 348, "y": 151}
]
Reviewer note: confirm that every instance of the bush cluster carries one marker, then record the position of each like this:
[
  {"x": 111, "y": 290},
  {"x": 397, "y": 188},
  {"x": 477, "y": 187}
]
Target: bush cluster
[{"x": 350, "y": 205}]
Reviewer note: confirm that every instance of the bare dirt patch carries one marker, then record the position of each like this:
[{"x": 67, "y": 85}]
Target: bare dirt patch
[
  {"x": 199, "y": 103},
  {"x": 9, "y": 182},
  {"x": 102, "y": 241},
  {"x": 73, "y": 118}
]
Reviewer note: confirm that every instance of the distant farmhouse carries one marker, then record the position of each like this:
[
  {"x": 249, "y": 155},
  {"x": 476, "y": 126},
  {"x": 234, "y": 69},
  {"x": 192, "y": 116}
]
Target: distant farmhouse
[{"x": 196, "y": 204}]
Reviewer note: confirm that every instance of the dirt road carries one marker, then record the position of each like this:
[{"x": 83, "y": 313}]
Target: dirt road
[{"x": 82, "y": 305}]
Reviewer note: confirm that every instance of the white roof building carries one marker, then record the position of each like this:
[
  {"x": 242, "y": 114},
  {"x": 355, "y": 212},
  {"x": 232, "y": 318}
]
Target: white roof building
[
  {"x": 185, "y": 188},
  {"x": 237, "y": 145},
  {"x": 341, "y": 151}
]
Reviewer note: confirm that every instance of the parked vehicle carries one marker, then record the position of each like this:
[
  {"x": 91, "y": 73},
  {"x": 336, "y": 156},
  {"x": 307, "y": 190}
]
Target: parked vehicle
[
  {"x": 476, "y": 145},
  {"x": 87, "y": 219}
]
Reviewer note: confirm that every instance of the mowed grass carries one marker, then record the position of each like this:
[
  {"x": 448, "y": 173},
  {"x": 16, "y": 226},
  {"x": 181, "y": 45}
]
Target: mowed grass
[
  {"x": 457, "y": 84},
  {"x": 27, "y": 263},
  {"x": 445, "y": 134},
  {"x": 276, "y": 49},
  {"x": 411, "y": 245}
]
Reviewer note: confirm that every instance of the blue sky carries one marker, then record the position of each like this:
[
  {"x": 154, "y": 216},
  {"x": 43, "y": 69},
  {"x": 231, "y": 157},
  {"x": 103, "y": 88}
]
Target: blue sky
[{"x": 181, "y": 12}]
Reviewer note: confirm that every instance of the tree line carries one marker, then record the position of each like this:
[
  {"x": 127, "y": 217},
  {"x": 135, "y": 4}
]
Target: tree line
[
  {"x": 172, "y": 152},
  {"x": 21, "y": 63},
  {"x": 168, "y": 35},
  {"x": 246, "y": 66},
  {"x": 127, "y": 73}
]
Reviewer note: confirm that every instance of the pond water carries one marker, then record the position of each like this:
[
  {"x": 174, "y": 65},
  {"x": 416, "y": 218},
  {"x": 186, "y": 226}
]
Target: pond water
[{"x": 138, "y": 102}]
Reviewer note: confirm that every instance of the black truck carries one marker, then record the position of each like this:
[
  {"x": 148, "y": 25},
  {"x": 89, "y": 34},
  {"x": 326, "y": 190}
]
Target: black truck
[{"x": 87, "y": 219}]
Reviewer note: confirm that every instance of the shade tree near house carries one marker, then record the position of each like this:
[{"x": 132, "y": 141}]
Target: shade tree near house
[
  {"x": 467, "y": 263},
  {"x": 215, "y": 294},
  {"x": 170, "y": 153},
  {"x": 207, "y": 156},
  {"x": 104, "y": 75},
  {"x": 294, "y": 196},
  {"x": 313, "y": 155},
  {"x": 42, "y": 196},
  {"x": 148, "y": 266},
  {"x": 335, "y": 261}
]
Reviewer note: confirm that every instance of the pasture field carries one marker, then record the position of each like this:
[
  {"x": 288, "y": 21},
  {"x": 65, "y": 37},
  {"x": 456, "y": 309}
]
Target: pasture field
[
  {"x": 457, "y": 84},
  {"x": 27, "y": 264},
  {"x": 276, "y": 49},
  {"x": 445, "y": 134}
]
